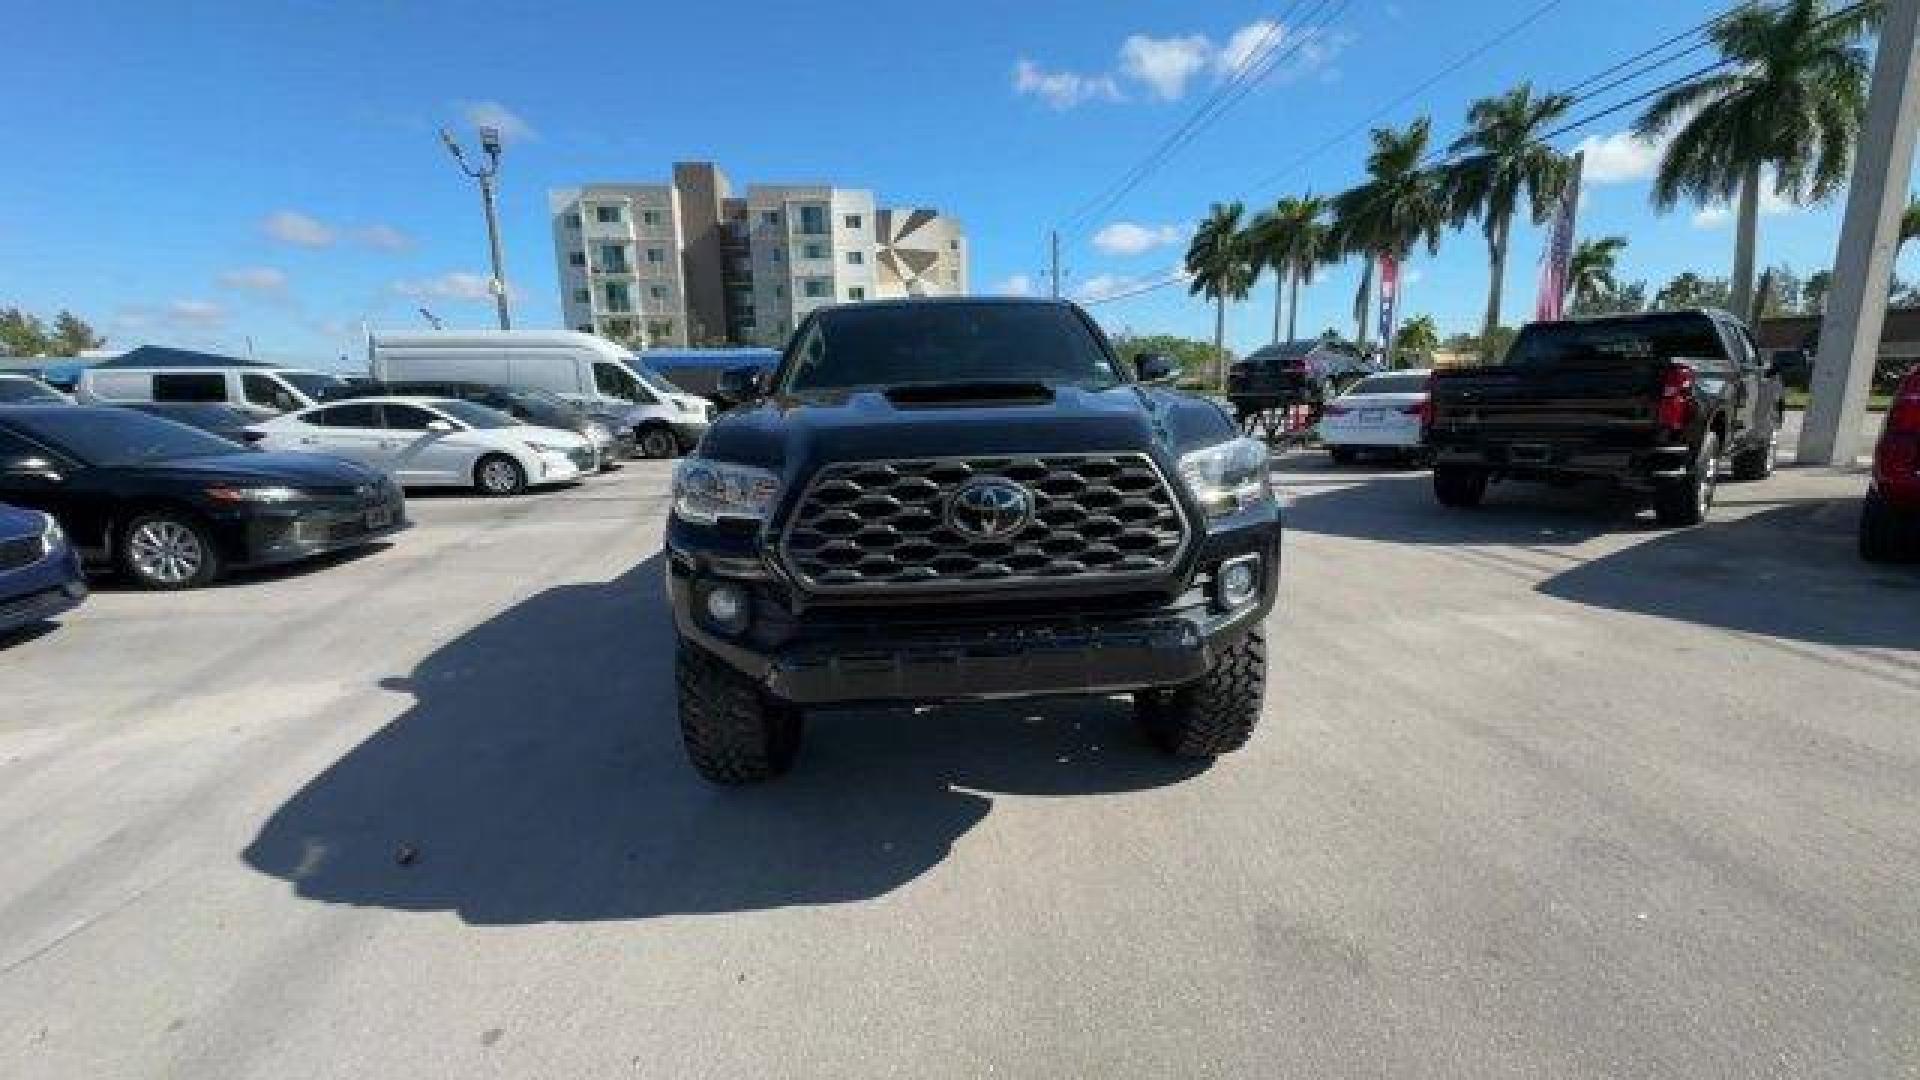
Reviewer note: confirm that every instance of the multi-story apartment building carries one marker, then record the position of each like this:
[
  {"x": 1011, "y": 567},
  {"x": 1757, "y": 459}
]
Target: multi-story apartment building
[{"x": 688, "y": 263}]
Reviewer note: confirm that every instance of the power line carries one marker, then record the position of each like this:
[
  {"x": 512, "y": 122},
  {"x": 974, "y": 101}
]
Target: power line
[{"x": 1139, "y": 290}]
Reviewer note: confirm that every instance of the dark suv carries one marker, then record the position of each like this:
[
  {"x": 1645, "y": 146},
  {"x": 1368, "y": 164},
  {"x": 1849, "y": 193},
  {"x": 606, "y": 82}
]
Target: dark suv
[{"x": 938, "y": 499}]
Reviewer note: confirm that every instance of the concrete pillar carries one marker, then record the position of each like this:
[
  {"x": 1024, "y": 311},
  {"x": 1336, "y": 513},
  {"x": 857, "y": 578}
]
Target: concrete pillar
[{"x": 1869, "y": 241}]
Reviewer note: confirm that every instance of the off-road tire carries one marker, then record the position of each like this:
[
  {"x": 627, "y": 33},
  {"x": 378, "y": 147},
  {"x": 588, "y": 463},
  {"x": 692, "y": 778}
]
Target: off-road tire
[
  {"x": 734, "y": 732},
  {"x": 1460, "y": 486},
  {"x": 1757, "y": 463},
  {"x": 1884, "y": 537},
  {"x": 498, "y": 476},
  {"x": 1215, "y": 715},
  {"x": 1680, "y": 504}
]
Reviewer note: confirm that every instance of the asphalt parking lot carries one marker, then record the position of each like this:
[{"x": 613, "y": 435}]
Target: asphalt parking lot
[{"x": 1541, "y": 791}]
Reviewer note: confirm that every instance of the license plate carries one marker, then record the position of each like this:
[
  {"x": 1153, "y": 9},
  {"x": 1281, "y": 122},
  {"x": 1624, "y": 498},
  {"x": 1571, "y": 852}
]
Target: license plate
[{"x": 379, "y": 517}]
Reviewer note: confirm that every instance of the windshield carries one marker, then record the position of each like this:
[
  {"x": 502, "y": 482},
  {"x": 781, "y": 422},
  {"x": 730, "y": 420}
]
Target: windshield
[
  {"x": 1389, "y": 384},
  {"x": 18, "y": 390},
  {"x": 864, "y": 348},
  {"x": 652, "y": 379},
  {"x": 1661, "y": 337},
  {"x": 110, "y": 437},
  {"x": 314, "y": 384},
  {"x": 475, "y": 416},
  {"x": 546, "y": 409}
]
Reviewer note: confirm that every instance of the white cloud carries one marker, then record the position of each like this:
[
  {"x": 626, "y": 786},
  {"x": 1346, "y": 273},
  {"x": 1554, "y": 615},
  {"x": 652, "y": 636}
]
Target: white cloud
[
  {"x": 1127, "y": 238},
  {"x": 1107, "y": 286},
  {"x": 1619, "y": 158},
  {"x": 1015, "y": 285},
  {"x": 300, "y": 230},
  {"x": 200, "y": 314},
  {"x": 1294, "y": 52},
  {"x": 1164, "y": 64},
  {"x": 264, "y": 279},
  {"x": 513, "y": 128},
  {"x": 382, "y": 238},
  {"x": 1063, "y": 89},
  {"x": 1771, "y": 205},
  {"x": 456, "y": 285}
]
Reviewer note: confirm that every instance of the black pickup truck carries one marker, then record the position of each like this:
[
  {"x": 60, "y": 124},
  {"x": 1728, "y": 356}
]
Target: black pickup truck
[
  {"x": 941, "y": 499},
  {"x": 1657, "y": 403}
]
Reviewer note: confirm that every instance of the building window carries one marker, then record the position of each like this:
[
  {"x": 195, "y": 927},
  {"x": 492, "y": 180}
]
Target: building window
[
  {"x": 656, "y": 255},
  {"x": 658, "y": 292},
  {"x": 618, "y": 296},
  {"x": 582, "y": 296},
  {"x": 607, "y": 215},
  {"x": 814, "y": 251},
  {"x": 576, "y": 258},
  {"x": 619, "y": 328},
  {"x": 953, "y": 277},
  {"x": 953, "y": 245},
  {"x": 853, "y": 221},
  {"x": 659, "y": 328},
  {"x": 817, "y": 287},
  {"x": 771, "y": 217},
  {"x": 573, "y": 220},
  {"x": 613, "y": 259},
  {"x": 856, "y": 258},
  {"x": 813, "y": 220},
  {"x": 650, "y": 217},
  {"x": 856, "y": 293},
  {"x": 776, "y": 255},
  {"x": 585, "y": 328}
]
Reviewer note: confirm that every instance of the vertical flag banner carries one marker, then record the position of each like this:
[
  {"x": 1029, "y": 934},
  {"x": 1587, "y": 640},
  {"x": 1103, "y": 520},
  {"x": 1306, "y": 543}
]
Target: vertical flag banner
[
  {"x": 1389, "y": 302},
  {"x": 1554, "y": 261}
]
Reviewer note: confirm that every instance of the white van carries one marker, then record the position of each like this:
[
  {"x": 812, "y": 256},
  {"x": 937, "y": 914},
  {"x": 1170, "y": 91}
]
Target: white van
[
  {"x": 255, "y": 389},
  {"x": 581, "y": 367}
]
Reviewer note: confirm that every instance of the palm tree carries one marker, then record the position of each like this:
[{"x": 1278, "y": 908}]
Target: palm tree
[
  {"x": 1399, "y": 205},
  {"x": 1290, "y": 240},
  {"x": 1792, "y": 101},
  {"x": 1217, "y": 260},
  {"x": 1505, "y": 157},
  {"x": 1590, "y": 268},
  {"x": 1418, "y": 335},
  {"x": 1910, "y": 221}
]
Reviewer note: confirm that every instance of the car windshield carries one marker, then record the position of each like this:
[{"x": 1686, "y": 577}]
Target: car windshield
[
  {"x": 15, "y": 391},
  {"x": 546, "y": 409},
  {"x": 474, "y": 416},
  {"x": 652, "y": 379},
  {"x": 1389, "y": 384},
  {"x": 316, "y": 385},
  {"x": 113, "y": 437},
  {"x": 1544, "y": 344},
  {"x": 864, "y": 348}
]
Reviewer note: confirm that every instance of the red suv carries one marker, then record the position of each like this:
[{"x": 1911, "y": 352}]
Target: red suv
[{"x": 1890, "y": 521}]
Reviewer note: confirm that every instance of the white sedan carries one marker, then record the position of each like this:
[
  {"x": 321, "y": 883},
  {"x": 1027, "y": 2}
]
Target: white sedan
[
  {"x": 434, "y": 442},
  {"x": 1385, "y": 413}
]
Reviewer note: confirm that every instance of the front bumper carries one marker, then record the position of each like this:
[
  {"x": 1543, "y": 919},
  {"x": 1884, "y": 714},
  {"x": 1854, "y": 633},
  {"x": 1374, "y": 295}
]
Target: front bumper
[
  {"x": 39, "y": 592},
  {"x": 271, "y": 536}
]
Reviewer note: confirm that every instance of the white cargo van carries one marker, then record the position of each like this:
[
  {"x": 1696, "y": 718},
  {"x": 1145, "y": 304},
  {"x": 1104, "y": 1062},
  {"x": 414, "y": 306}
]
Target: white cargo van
[
  {"x": 580, "y": 367},
  {"x": 259, "y": 390}
]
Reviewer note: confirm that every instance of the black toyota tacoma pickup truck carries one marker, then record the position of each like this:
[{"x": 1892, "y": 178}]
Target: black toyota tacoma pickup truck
[
  {"x": 940, "y": 499},
  {"x": 1657, "y": 403}
]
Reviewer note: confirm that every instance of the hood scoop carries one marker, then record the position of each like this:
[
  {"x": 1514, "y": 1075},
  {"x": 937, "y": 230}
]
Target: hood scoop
[{"x": 970, "y": 394}]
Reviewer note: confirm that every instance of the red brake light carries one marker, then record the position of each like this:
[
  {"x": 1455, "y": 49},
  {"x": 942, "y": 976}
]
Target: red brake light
[{"x": 1675, "y": 410}]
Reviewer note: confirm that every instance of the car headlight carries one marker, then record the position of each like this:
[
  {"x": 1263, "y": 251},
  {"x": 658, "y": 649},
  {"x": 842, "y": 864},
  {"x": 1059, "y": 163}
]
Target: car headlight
[
  {"x": 550, "y": 448},
  {"x": 255, "y": 494},
  {"x": 52, "y": 537},
  {"x": 1228, "y": 476},
  {"x": 705, "y": 490},
  {"x": 598, "y": 433}
]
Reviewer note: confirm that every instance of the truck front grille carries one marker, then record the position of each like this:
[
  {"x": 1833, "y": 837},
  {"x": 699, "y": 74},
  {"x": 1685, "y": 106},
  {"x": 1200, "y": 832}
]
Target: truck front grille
[{"x": 1100, "y": 517}]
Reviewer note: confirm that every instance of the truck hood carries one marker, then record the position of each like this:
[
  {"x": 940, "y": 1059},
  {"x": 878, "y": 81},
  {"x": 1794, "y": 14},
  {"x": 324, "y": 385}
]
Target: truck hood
[{"x": 791, "y": 435}]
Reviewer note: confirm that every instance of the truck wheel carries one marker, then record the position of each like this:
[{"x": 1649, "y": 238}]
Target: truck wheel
[
  {"x": 1757, "y": 463},
  {"x": 734, "y": 732},
  {"x": 1683, "y": 503},
  {"x": 1881, "y": 537},
  {"x": 1459, "y": 485},
  {"x": 1215, "y": 715},
  {"x": 657, "y": 441}
]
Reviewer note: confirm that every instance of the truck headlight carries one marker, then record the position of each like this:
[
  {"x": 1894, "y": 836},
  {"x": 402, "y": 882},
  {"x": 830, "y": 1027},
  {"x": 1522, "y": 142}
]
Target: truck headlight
[
  {"x": 1228, "y": 476},
  {"x": 705, "y": 490}
]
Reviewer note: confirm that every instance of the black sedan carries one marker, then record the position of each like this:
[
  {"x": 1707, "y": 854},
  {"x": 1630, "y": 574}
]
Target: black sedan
[{"x": 173, "y": 506}]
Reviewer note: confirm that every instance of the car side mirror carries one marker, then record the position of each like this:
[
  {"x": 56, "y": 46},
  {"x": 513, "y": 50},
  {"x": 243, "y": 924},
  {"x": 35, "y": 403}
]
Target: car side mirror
[
  {"x": 743, "y": 384},
  {"x": 439, "y": 427},
  {"x": 1155, "y": 368}
]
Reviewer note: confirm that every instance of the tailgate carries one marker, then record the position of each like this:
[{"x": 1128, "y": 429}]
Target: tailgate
[{"x": 1559, "y": 402}]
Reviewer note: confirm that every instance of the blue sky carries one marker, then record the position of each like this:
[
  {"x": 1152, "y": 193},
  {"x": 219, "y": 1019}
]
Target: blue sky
[{"x": 204, "y": 175}]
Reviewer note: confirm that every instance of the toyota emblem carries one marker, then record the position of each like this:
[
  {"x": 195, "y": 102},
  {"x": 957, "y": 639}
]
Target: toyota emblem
[{"x": 989, "y": 509}]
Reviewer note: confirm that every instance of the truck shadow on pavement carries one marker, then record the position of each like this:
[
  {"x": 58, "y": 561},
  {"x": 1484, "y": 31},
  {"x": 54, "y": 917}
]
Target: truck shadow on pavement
[{"x": 538, "y": 777}]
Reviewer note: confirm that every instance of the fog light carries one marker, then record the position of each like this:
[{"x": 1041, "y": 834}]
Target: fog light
[
  {"x": 727, "y": 607},
  {"x": 1237, "y": 581}
]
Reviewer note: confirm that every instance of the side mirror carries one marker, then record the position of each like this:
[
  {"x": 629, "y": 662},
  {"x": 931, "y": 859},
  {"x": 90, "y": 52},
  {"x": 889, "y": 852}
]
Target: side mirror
[
  {"x": 742, "y": 384},
  {"x": 439, "y": 427},
  {"x": 1155, "y": 368}
]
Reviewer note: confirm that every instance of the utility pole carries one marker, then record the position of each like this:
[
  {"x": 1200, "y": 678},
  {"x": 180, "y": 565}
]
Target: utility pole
[
  {"x": 489, "y": 145},
  {"x": 1054, "y": 244},
  {"x": 1869, "y": 241}
]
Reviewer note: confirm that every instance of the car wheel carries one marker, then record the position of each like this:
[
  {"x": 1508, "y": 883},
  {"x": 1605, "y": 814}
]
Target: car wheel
[
  {"x": 657, "y": 441},
  {"x": 498, "y": 476},
  {"x": 1215, "y": 715},
  {"x": 1884, "y": 537},
  {"x": 1459, "y": 485},
  {"x": 168, "y": 550},
  {"x": 1758, "y": 463},
  {"x": 1343, "y": 455},
  {"x": 1686, "y": 502},
  {"x": 734, "y": 732}
]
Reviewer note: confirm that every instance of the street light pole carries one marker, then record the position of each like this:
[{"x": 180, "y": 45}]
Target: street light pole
[{"x": 489, "y": 145}]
